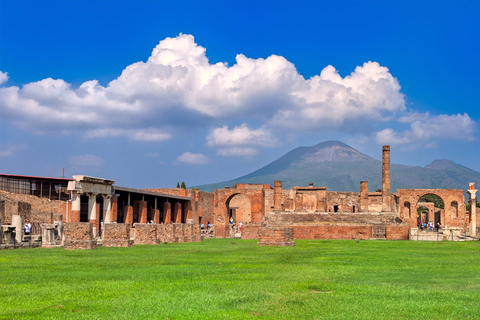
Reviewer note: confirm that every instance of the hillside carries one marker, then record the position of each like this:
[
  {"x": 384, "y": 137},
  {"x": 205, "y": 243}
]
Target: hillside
[{"x": 339, "y": 167}]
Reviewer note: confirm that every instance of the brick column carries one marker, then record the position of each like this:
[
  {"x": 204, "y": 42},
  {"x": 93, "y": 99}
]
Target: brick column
[
  {"x": 92, "y": 212},
  {"x": 167, "y": 212},
  {"x": 75, "y": 214},
  {"x": 107, "y": 209},
  {"x": 472, "y": 195},
  {"x": 363, "y": 196},
  {"x": 298, "y": 202},
  {"x": 189, "y": 210},
  {"x": 114, "y": 208},
  {"x": 128, "y": 214},
  {"x": 156, "y": 216},
  {"x": 142, "y": 211},
  {"x": 277, "y": 195},
  {"x": 177, "y": 212},
  {"x": 386, "y": 196}
]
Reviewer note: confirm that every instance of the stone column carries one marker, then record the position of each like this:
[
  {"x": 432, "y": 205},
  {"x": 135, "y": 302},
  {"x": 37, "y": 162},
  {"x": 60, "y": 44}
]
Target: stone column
[
  {"x": 472, "y": 195},
  {"x": 167, "y": 212},
  {"x": 363, "y": 196},
  {"x": 107, "y": 209},
  {"x": 75, "y": 214},
  {"x": 298, "y": 202},
  {"x": 177, "y": 212},
  {"x": 92, "y": 212},
  {"x": 277, "y": 195},
  {"x": 386, "y": 196},
  {"x": 17, "y": 223}
]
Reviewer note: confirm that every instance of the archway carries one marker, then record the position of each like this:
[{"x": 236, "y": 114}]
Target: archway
[
  {"x": 239, "y": 208},
  {"x": 430, "y": 208}
]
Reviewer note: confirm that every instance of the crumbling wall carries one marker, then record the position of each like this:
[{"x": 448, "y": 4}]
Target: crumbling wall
[
  {"x": 117, "y": 235},
  {"x": 79, "y": 235},
  {"x": 333, "y": 231},
  {"x": 344, "y": 201}
]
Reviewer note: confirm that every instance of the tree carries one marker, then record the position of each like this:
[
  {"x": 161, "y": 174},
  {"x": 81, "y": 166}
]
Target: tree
[
  {"x": 178, "y": 185},
  {"x": 183, "y": 185}
]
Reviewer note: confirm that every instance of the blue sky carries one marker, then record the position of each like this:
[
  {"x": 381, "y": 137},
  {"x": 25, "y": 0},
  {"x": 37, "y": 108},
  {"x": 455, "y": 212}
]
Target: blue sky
[{"x": 149, "y": 93}]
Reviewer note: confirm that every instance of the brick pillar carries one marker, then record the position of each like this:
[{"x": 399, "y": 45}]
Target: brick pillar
[
  {"x": 277, "y": 195},
  {"x": 363, "y": 196},
  {"x": 128, "y": 214},
  {"x": 472, "y": 195},
  {"x": 167, "y": 212},
  {"x": 386, "y": 196},
  {"x": 177, "y": 212},
  {"x": 92, "y": 212},
  {"x": 75, "y": 214},
  {"x": 189, "y": 210},
  {"x": 156, "y": 216},
  {"x": 107, "y": 209},
  {"x": 114, "y": 208},
  {"x": 142, "y": 211}
]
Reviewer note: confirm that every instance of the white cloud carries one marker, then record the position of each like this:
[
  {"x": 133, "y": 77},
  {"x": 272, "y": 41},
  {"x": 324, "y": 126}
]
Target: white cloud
[
  {"x": 241, "y": 136},
  {"x": 149, "y": 134},
  {"x": 424, "y": 127},
  {"x": 6, "y": 153},
  {"x": 3, "y": 77},
  {"x": 193, "y": 158},
  {"x": 178, "y": 86},
  {"x": 237, "y": 152}
]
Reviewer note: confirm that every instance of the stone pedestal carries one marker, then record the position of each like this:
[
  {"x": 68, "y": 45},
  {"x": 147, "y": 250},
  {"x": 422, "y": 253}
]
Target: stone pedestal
[
  {"x": 48, "y": 235},
  {"x": 8, "y": 234},
  {"x": 17, "y": 223}
]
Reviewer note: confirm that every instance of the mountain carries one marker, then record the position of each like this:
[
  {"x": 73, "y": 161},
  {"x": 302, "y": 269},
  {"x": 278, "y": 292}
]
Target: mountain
[{"x": 339, "y": 167}]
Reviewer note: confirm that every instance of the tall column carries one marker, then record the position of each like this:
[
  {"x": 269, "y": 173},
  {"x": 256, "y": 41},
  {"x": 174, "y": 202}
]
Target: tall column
[
  {"x": 17, "y": 223},
  {"x": 142, "y": 211},
  {"x": 363, "y": 196},
  {"x": 177, "y": 212},
  {"x": 156, "y": 216},
  {"x": 92, "y": 211},
  {"x": 386, "y": 195},
  {"x": 107, "y": 209},
  {"x": 128, "y": 214},
  {"x": 298, "y": 202},
  {"x": 472, "y": 195},
  {"x": 114, "y": 208},
  {"x": 167, "y": 212},
  {"x": 277, "y": 195},
  {"x": 75, "y": 214}
]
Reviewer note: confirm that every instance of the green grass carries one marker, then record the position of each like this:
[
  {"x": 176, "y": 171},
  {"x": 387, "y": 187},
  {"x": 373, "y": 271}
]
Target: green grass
[{"x": 216, "y": 279}]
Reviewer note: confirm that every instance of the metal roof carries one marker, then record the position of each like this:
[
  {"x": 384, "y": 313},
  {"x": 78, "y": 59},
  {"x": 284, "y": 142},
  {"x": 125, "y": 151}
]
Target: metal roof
[{"x": 33, "y": 177}]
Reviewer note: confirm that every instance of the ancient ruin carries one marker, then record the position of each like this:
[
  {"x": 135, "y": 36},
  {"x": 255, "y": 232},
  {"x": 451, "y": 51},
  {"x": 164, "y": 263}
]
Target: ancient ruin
[{"x": 84, "y": 212}]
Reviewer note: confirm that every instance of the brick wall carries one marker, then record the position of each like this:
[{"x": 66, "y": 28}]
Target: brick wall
[
  {"x": 332, "y": 231},
  {"x": 79, "y": 235},
  {"x": 398, "y": 231},
  {"x": 250, "y": 230},
  {"x": 275, "y": 236}
]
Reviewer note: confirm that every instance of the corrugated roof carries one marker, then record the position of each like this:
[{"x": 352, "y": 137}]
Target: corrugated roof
[{"x": 17, "y": 176}]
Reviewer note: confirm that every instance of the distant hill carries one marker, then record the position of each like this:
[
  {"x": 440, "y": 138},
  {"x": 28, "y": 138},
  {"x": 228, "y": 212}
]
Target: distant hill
[{"x": 339, "y": 167}]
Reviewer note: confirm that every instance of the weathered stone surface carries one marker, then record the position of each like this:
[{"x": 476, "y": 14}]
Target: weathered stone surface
[
  {"x": 145, "y": 233},
  {"x": 79, "y": 235},
  {"x": 117, "y": 235}
]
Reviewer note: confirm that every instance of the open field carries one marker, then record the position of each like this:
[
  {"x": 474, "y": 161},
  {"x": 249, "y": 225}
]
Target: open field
[{"x": 216, "y": 279}]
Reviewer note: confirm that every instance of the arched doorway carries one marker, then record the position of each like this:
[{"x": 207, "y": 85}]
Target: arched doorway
[
  {"x": 430, "y": 208},
  {"x": 239, "y": 208}
]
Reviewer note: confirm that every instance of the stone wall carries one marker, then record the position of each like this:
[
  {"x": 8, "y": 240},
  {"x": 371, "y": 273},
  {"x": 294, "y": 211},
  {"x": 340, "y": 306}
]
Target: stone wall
[
  {"x": 344, "y": 201},
  {"x": 79, "y": 235},
  {"x": 286, "y": 218},
  {"x": 117, "y": 235},
  {"x": 275, "y": 236},
  {"x": 145, "y": 233}
]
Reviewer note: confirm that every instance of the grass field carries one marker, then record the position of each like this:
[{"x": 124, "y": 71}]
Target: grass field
[{"x": 216, "y": 279}]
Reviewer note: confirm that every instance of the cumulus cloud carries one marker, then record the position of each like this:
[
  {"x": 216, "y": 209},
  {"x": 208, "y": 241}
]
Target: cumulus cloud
[
  {"x": 177, "y": 82},
  {"x": 193, "y": 158},
  {"x": 3, "y": 77},
  {"x": 425, "y": 127},
  {"x": 241, "y": 136}
]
